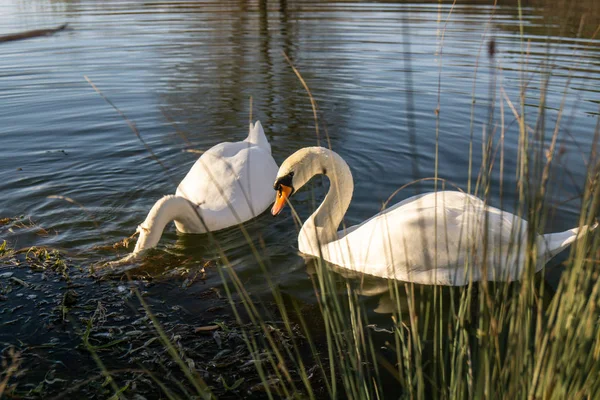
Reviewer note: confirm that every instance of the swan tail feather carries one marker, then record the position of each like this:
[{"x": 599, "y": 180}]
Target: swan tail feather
[
  {"x": 554, "y": 243},
  {"x": 257, "y": 136}
]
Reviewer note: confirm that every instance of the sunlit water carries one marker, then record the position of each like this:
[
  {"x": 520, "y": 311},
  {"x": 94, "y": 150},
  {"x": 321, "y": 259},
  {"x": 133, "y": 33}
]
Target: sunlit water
[{"x": 189, "y": 70}]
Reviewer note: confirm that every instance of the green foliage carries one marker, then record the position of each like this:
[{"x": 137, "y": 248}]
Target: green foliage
[{"x": 483, "y": 340}]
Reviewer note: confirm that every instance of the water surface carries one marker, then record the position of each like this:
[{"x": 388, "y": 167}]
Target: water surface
[{"x": 189, "y": 69}]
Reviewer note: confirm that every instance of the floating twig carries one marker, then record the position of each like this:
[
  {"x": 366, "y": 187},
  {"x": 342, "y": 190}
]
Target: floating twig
[{"x": 32, "y": 34}]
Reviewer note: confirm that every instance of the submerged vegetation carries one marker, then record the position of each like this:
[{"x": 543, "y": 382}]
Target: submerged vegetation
[{"x": 119, "y": 344}]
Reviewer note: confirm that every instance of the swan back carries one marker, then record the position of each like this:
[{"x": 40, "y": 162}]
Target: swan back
[
  {"x": 231, "y": 182},
  {"x": 430, "y": 238}
]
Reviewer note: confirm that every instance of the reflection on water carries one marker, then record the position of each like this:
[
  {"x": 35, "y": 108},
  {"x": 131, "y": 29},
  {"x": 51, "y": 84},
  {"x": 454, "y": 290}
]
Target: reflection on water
[
  {"x": 190, "y": 69},
  {"x": 185, "y": 73}
]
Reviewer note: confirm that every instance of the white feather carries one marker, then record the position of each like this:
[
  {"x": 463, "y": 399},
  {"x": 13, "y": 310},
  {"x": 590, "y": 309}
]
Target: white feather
[{"x": 433, "y": 238}]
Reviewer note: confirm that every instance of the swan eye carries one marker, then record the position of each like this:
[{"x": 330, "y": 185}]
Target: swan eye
[{"x": 285, "y": 181}]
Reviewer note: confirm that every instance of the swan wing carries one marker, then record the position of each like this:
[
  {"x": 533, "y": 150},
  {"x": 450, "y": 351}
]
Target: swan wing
[{"x": 428, "y": 239}]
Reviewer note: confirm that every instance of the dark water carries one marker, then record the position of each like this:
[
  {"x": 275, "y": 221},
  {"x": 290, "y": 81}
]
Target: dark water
[{"x": 190, "y": 68}]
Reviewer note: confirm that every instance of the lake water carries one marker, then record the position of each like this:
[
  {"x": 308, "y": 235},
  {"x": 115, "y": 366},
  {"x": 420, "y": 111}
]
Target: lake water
[{"x": 189, "y": 69}]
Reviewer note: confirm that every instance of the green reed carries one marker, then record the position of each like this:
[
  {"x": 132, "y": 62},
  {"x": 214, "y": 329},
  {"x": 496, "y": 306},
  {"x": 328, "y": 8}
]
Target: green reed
[{"x": 482, "y": 340}]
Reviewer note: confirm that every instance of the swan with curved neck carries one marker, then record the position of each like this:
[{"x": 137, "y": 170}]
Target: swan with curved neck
[
  {"x": 429, "y": 238},
  {"x": 229, "y": 184}
]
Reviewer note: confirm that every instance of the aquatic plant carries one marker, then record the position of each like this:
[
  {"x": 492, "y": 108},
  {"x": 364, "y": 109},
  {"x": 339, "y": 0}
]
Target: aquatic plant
[{"x": 483, "y": 340}]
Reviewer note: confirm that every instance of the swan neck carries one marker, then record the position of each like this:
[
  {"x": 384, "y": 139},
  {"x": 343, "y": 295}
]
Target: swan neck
[
  {"x": 323, "y": 224},
  {"x": 167, "y": 209}
]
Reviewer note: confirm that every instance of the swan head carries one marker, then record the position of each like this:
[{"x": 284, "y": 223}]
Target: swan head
[{"x": 297, "y": 170}]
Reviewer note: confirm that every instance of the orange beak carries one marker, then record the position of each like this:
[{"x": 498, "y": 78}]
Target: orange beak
[{"x": 282, "y": 194}]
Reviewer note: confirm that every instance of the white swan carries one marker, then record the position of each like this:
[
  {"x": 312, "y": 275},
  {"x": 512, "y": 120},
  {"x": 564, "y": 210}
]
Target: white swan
[
  {"x": 428, "y": 239},
  {"x": 229, "y": 184}
]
